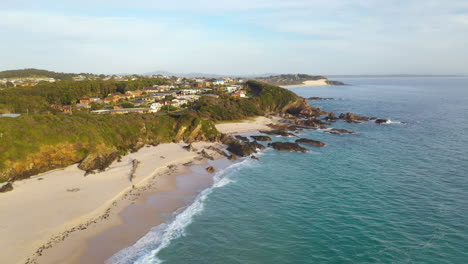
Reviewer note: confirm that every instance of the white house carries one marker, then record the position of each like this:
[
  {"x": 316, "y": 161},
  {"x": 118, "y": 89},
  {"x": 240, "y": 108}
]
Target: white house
[
  {"x": 155, "y": 107},
  {"x": 218, "y": 82}
]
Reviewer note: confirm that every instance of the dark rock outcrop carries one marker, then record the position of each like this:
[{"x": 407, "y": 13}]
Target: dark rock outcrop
[
  {"x": 257, "y": 145},
  {"x": 329, "y": 82},
  {"x": 98, "y": 161},
  {"x": 310, "y": 142},
  {"x": 353, "y": 118},
  {"x": 242, "y": 149},
  {"x": 331, "y": 117},
  {"x": 320, "y": 98},
  {"x": 287, "y": 146},
  {"x": 254, "y": 157},
  {"x": 339, "y": 131},
  {"x": 278, "y": 132},
  {"x": 381, "y": 121},
  {"x": 6, "y": 187},
  {"x": 242, "y": 138},
  {"x": 190, "y": 148},
  {"x": 261, "y": 138},
  {"x": 206, "y": 155}
]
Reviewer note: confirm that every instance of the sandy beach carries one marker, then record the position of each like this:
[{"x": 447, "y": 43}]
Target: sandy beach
[
  {"x": 44, "y": 210},
  {"x": 259, "y": 123},
  {"x": 320, "y": 82},
  {"x": 63, "y": 216}
]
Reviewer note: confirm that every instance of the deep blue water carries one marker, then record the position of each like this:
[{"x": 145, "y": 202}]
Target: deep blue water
[{"x": 393, "y": 193}]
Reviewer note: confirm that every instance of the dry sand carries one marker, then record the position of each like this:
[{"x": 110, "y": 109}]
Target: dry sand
[
  {"x": 259, "y": 123},
  {"x": 40, "y": 210},
  {"x": 63, "y": 217},
  {"x": 320, "y": 82}
]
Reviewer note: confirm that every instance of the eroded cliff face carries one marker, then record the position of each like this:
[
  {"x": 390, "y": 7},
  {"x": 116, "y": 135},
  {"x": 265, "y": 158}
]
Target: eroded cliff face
[
  {"x": 48, "y": 157},
  {"x": 97, "y": 157},
  {"x": 301, "y": 107}
]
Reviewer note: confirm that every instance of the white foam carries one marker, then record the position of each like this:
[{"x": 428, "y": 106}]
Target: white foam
[
  {"x": 146, "y": 249},
  {"x": 392, "y": 122}
]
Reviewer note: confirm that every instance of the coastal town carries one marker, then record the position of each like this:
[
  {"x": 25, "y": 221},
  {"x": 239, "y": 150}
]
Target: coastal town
[{"x": 176, "y": 94}]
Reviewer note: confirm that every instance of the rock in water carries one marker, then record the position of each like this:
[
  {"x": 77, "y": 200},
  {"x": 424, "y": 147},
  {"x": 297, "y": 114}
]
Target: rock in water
[
  {"x": 243, "y": 149},
  {"x": 232, "y": 157},
  {"x": 339, "y": 131},
  {"x": 310, "y": 142},
  {"x": 253, "y": 157},
  {"x": 6, "y": 187},
  {"x": 381, "y": 121},
  {"x": 261, "y": 138},
  {"x": 242, "y": 138},
  {"x": 287, "y": 146},
  {"x": 210, "y": 169}
]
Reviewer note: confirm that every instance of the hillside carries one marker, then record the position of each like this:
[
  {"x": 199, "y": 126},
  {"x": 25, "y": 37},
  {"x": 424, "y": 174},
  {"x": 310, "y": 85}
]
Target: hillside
[
  {"x": 295, "y": 79},
  {"x": 33, "y": 144},
  {"x": 34, "y": 73}
]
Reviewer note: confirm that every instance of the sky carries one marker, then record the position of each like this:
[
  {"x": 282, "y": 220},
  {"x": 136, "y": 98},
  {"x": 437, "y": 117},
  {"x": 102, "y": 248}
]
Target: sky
[{"x": 236, "y": 37}]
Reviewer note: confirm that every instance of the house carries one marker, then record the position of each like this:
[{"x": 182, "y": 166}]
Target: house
[
  {"x": 95, "y": 100},
  {"x": 189, "y": 97},
  {"x": 218, "y": 82},
  {"x": 148, "y": 99},
  {"x": 138, "y": 102},
  {"x": 82, "y": 106},
  {"x": 150, "y": 90},
  {"x": 241, "y": 93},
  {"x": 110, "y": 100},
  {"x": 190, "y": 91},
  {"x": 178, "y": 102},
  {"x": 231, "y": 89},
  {"x": 155, "y": 107},
  {"x": 85, "y": 100}
]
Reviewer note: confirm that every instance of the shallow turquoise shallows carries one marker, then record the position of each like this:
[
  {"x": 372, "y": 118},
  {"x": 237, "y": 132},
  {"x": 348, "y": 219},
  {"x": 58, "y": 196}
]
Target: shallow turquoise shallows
[{"x": 392, "y": 193}]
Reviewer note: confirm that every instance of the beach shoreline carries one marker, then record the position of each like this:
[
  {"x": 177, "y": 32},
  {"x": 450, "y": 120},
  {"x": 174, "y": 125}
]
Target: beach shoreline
[
  {"x": 321, "y": 82},
  {"x": 91, "y": 208}
]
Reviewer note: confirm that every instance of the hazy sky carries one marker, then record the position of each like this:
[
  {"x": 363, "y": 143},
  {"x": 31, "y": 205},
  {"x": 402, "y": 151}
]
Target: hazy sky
[{"x": 236, "y": 37}]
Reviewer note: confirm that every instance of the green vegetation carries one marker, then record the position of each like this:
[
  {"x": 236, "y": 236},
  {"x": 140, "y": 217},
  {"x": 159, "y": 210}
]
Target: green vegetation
[
  {"x": 31, "y": 144},
  {"x": 290, "y": 79},
  {"x": 30, "y": 73},
  {"x": 37, "y": 99}
]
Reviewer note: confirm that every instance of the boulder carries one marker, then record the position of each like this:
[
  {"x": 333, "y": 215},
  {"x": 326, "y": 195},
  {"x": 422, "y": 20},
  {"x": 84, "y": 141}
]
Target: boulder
[
  {"x": 353, "y": 118},
  {"x": 6, "y": 187},
  {"x": 98, "y": 161},
  {"x": 242, "y": 138},
  {"x": 253, "y": 157},
  {"x": 190, "y": 148},
  {"x": 242, "y": 149},
  {"x": 210, "y": 169},
  {"x": 381, "y": 121},
  {"x": 206, "y": 155},
  {"x": 310, "y": 142},
  {"x": 232, "y": 157},
  {"x": 287, "y": 146},
  {"x": 257, "y": 145},
  {"x": 261, "y": 138},
  {"x": 278, "y": 132},
  {"x": 339, "y": 131}
]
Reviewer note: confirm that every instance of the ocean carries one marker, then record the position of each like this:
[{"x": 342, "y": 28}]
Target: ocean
[{"x": 392, "y": 193}]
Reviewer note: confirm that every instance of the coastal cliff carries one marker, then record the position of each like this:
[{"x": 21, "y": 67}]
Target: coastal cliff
[{"x": 34, "y": 144}]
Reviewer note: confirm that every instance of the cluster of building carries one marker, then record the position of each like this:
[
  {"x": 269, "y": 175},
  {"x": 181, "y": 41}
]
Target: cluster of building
[
  {"x": 13, "y": 82},
  {"x": 153, "y": 99}
]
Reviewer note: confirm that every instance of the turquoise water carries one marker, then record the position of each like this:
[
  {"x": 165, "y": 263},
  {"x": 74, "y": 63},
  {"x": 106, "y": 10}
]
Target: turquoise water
[{"x": 393, "y": 193}]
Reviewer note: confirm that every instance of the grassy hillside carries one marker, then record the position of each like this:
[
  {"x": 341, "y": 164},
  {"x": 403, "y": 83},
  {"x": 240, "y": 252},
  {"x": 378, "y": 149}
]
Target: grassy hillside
[
  {"x": 29, "y": 73},
  {"x": 33, "y": 144}
]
